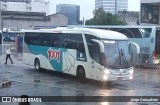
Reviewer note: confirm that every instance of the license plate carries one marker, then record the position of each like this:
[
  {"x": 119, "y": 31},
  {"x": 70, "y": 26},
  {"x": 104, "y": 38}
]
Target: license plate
[{"x": 119, "y": 78}]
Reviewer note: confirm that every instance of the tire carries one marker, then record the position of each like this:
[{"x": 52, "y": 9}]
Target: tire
[
  {"x": 37, "y": 65},
  {"x": 81, "y": 75}
]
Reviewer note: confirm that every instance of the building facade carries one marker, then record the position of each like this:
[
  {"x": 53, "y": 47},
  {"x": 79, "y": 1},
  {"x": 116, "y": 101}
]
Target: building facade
[
  {"x": 25, "y": 5},
  {"x": 130, "y": 17},
  {"x": 72, "y": 11},
  {"x": 15, "y": 21},
  {"x": 112, "y": 6},
  {"x": 150, "y": 12},
  {"x": 27, "y": 1}
]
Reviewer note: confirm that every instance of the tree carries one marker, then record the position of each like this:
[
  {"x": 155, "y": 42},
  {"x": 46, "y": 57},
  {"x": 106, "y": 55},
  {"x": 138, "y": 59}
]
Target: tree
[{"x": 102, "y": 18}]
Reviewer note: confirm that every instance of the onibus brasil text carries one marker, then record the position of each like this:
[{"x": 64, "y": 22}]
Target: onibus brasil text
[{"x": 14, "y": 99}]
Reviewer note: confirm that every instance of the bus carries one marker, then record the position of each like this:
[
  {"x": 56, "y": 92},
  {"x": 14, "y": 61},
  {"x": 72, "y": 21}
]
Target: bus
[
  {"x": 86, "y": 53},
  {"x": 147, "y": 37}
]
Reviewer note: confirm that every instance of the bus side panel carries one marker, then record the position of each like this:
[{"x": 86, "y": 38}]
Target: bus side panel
[
  {"x": 71, "y": 60},
  {"x": 54, "y": 56},
  {"x": 145, "y": 55},
  {"x": 28, "y": 57},
  {"x": 58, "y": 59}
]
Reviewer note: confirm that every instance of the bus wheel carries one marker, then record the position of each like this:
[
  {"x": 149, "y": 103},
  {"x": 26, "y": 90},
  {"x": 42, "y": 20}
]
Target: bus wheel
[
  {"x": 37, "y": 65},
  {"x": 81, "y": 74}
]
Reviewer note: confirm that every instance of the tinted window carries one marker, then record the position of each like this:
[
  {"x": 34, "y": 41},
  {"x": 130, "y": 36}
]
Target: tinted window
[
  {"x": 93, "y": 47},
  {"x": 41, "y": 39},
  {"x": 70, "y": 41}
]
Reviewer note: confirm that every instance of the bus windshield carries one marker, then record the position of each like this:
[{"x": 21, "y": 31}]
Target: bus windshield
[{"x": 117, "y": 54}]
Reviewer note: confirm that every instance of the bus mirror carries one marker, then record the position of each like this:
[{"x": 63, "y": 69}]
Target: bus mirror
[
  {"x": 100, "y": 44},
  {"x": 134, "y": 47}
]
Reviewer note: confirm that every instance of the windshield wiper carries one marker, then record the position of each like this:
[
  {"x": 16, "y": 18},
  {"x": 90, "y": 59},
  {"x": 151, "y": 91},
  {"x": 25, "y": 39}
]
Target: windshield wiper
[
  {"x": 121, "y": 57},
  {"x": 124, "y": 57}
]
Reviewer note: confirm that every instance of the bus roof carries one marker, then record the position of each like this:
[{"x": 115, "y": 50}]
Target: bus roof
[
  {"x": 104, "y": 34},
  {"x": 118, "y": 26}
]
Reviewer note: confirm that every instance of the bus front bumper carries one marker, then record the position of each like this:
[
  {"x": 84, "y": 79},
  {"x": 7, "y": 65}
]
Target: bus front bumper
[
  {"x": 114, "y": 78},
  {"x": 113, "y": 75}
]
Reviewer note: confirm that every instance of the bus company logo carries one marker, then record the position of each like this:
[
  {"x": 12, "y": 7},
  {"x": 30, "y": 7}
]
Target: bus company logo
[{"x": 54, "y": 54}]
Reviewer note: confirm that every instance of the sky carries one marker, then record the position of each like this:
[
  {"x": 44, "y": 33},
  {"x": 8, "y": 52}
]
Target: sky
[{"x": 87, "y": 6}]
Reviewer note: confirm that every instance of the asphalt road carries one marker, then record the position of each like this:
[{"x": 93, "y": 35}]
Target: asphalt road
[{"x": 26, "y": 80}]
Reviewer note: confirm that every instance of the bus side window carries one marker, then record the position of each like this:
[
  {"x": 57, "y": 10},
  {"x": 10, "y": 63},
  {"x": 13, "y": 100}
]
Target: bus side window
[
  {"x": 73, "y": 41},
  {"x": 45, "y": 39},
  {"x": 57, "y": 43},
  {"x": 80, "y": 47},
  {"x": 26, "y": 39},
  {"x": 68, "y": 44},
  {"x": 53, "y": 40},
  {"x": 95, "y": 52},
  {"x": 93, "y": 47}
]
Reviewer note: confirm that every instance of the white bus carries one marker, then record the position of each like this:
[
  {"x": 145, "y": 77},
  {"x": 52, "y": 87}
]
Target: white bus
[
  {"x": 147, "y": 37},
  {"x": 86, "y": 53}
]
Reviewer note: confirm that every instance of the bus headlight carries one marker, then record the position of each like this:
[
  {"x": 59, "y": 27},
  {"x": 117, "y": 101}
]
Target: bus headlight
[
  {"x": 105, "y": 77},
  {"x": 131, "y": 77}
]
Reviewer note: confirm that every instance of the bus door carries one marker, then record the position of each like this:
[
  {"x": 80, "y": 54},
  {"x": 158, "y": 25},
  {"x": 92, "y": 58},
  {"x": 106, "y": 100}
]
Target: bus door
[
  {"x": 94, "y": 52},
  {"x": 95, "y": 60}
]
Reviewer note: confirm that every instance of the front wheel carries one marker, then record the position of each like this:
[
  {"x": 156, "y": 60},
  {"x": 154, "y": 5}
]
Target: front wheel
[
  {"x": 37, "y": 65},
  {"x": 81, "y": 75}
]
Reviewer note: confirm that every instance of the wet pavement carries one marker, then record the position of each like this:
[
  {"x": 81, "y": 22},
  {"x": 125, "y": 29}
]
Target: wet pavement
[
  {"x": 17, "y": 59},
  {"x": 25, "y": 80}
]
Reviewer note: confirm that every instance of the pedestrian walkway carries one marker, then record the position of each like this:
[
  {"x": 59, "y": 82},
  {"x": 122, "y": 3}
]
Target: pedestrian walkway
[{"x": 17, "y": 60}]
